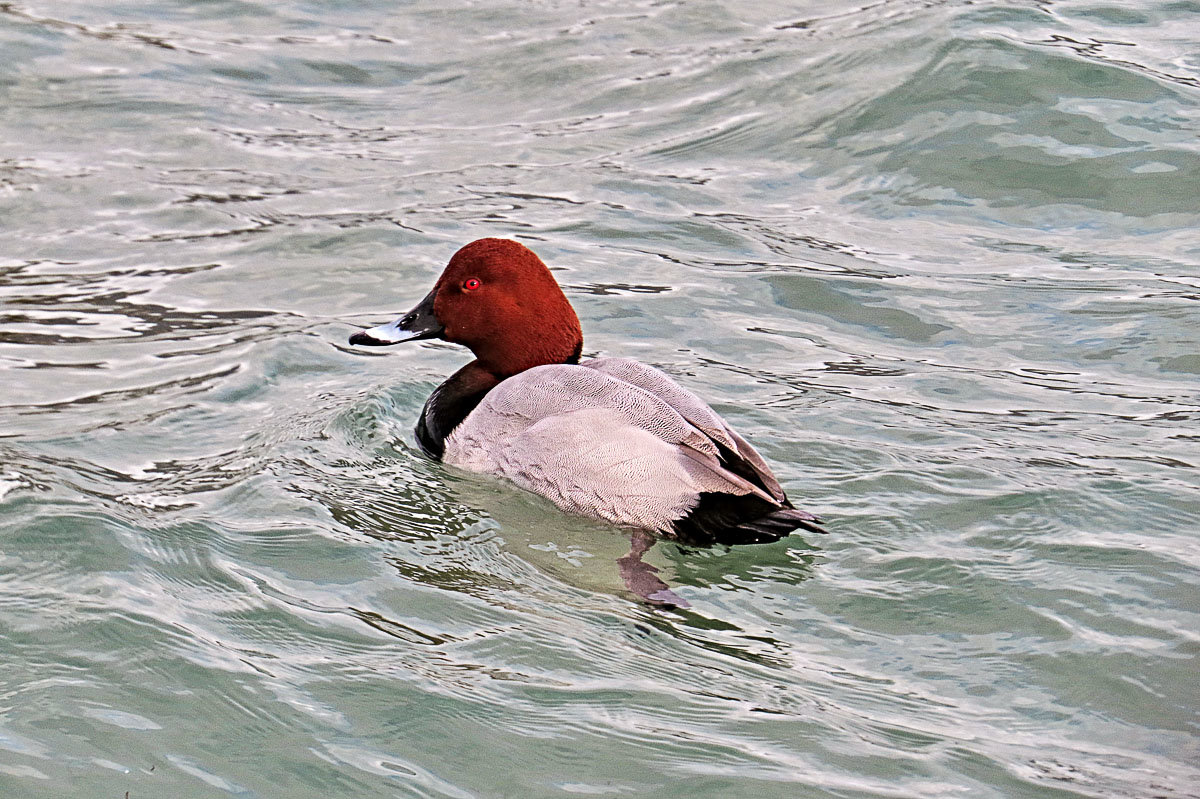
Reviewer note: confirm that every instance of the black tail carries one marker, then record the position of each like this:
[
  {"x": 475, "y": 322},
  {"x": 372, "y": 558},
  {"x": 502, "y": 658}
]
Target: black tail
[{"x": 747, "y": 519}]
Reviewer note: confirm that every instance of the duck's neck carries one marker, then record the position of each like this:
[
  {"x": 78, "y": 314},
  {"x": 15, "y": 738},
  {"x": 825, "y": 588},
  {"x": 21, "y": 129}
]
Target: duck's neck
[
  {"x": 450, "y": 403},
  {"x": 505, "y": 358},
  {"x": 453, "y": 400}
]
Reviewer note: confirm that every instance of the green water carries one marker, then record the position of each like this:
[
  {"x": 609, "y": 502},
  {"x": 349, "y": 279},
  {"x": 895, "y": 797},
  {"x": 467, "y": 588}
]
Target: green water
[{"x": 940, "y": 261}]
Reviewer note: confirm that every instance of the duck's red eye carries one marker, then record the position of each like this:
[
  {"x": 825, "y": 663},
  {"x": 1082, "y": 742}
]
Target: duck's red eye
[{"x": 471, "y": 283}]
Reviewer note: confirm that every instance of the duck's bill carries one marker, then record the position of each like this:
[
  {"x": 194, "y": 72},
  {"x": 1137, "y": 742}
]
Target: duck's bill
[{"x": 419, "y": 323}]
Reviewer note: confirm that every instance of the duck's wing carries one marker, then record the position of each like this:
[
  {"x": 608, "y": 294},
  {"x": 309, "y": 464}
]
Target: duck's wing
[
  {"x": 544, "y": 394},
  {"x": 736, "y": 452},
  {"x": 600, "y": 446}
]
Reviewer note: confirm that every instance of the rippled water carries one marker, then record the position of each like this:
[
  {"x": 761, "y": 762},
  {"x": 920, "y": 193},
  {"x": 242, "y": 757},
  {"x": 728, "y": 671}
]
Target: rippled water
[{"x": 940, "y": 260}]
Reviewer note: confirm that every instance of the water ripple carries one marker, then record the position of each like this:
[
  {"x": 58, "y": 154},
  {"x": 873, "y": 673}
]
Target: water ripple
[{"x": 936, "y": 259}]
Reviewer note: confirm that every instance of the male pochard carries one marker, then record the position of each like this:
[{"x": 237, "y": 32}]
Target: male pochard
[{"x": 609, "y": 438}]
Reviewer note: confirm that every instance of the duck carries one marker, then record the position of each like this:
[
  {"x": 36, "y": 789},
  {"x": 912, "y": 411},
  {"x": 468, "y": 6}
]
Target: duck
[{"x": 609, "y": 438}]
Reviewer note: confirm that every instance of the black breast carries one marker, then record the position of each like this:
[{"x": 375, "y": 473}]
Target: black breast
[{"x": 449, "y": 404}]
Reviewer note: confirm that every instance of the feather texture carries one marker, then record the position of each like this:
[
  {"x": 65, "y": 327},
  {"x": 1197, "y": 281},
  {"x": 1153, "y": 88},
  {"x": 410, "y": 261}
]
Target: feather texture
[
  {"x": 609, "y": 438},
  {"x": 617, "y": 440}
]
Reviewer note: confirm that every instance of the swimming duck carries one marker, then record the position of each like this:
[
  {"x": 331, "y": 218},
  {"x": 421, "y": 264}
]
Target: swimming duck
[{"x": 609, "y": 438}]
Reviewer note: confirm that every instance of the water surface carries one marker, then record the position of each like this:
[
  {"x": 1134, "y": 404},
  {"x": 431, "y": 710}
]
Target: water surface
[{"x": 938, "y": 260}]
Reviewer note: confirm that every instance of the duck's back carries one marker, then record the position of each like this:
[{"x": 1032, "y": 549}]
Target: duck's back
[{"x": 618, "y": 440}]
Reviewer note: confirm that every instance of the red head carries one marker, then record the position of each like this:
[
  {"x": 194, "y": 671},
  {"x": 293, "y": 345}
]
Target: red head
[{"x": 497, "y": 298}]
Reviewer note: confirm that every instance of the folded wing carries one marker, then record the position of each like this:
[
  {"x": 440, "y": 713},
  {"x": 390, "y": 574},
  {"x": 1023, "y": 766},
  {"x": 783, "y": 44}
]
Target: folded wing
[{"x": 620, "y": 441}]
